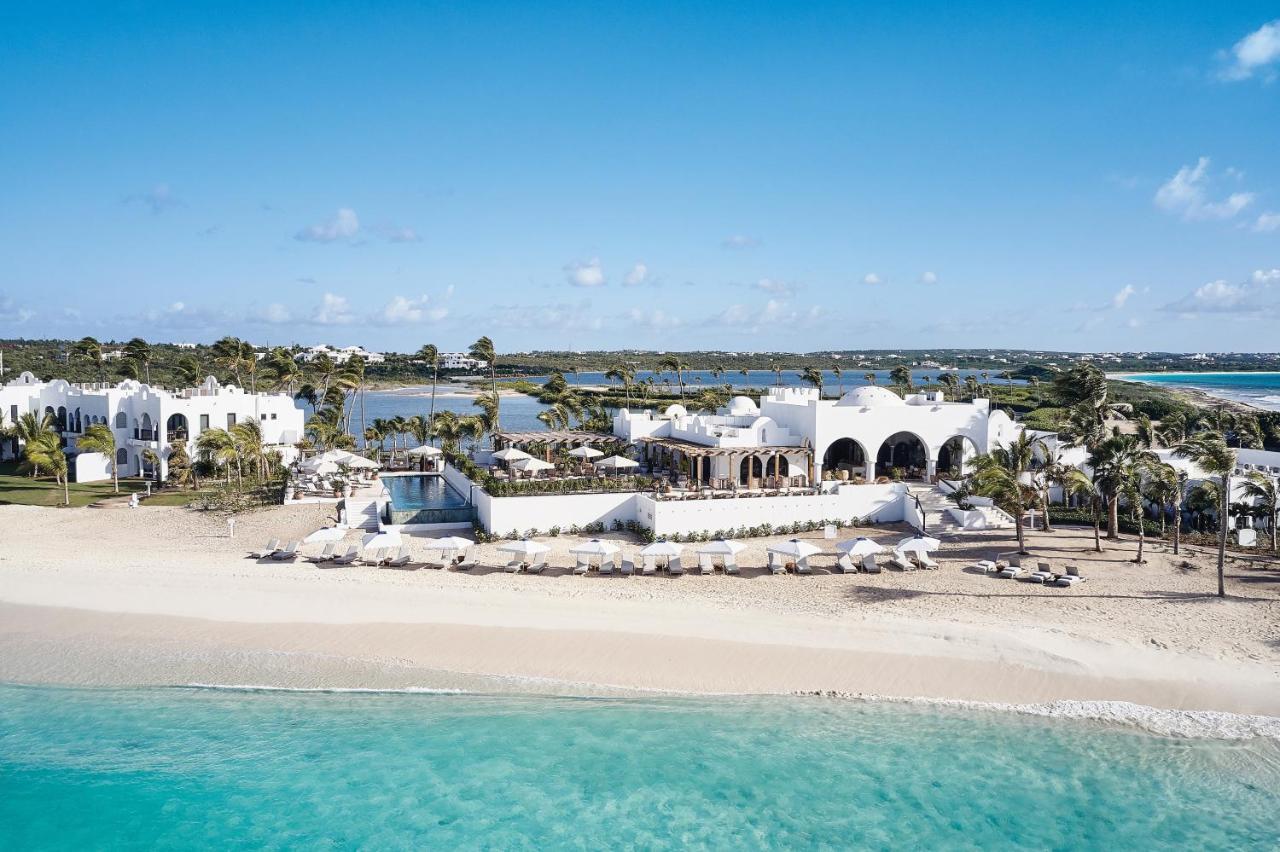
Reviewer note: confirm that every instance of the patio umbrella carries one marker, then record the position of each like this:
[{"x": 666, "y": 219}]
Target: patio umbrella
[
  {"x": 661, "y": 548},
  {"x": 794, "y": 548},
  {"x": 585, "y": 453},
  {"x": 511, "y": 454},
  {"x": 450, "y": 542},
  {"x": 595, "y": 547},
  {"x": 426, "y": 450},
  {"x": 723, "y": 547},
  {"x": 391, "y": 538},
  {"x": 918, "y": 543},
  {"x": 326, "y": 534},
  {"x": 532, "y": 464},
  {"x": 523, "y": 547},
  {"x": 319, "y": 466},
  {"x": 617, "y": 463},
  {"x": 859, "y": 546}
]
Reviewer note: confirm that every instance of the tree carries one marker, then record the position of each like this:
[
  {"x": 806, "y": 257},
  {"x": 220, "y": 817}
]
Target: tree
[
  {"x": 88, "y": 349},
  {"x": 1262, "y": 488},
  {"x": 971, "y": 386},
  {"x": 188, "y": 369},
  {"x": 308, "y": 394},
  {"x": 901, "y": 375},
  {"x": 46, "y": 451},
  {"x": 283, "y": 369},
  {"x": 1000, "y": 475},
  {"x": 1209, "y": 452},
  {"x": 181, "y": 472},
  {"x": 249, "y": 447},
  {"x": 708, "y": 399},
  {"x": 32, "y": 427},
  {"x": 839, "y": 374},
  {"x": 150, "y": 457},
  {"x": 777, "y": 375},
  {"x": 1118, "y": 464},
  {"x": 1076, "y": 483},
  {"x": 431, "y": 356},
  {"x": 676, "y": 365},
  {"x": 812, "y": 376},
  {"x": 482, "y": 350},
  {"x": 869, "y": 378},
  {"x": 627, "y": 375},
  {"x": 1163, "y": 487},
  {"x": 448, "y": 429},
  {"x": 98, "y": 438},
  {"x": 217, "y": 448},
  {"x": 950, "y": 381},
  {"x": 139, "y": 352}
]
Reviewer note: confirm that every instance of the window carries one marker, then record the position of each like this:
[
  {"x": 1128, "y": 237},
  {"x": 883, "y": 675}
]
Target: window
[
  {"x": 204, "y": 422},
  {"x": 264, "y": 417},
  {"x": 122, "y": 457},
  {"x": 13, "y": 414},
  {"x": 273, "y": 415},
  {"x": 122, "y": 422}
]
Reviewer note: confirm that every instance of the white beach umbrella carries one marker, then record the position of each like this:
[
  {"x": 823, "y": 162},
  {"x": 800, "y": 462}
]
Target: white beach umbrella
[
  {"x": 723, "y": 547},
  {"x": 319, "y": 466},
  {"x": 794, "y": 548},
  {"x": 449, "y": 542},
  {"x": 326, "y": 534},
  {"x": 426, "y": 450},
  {"x": 361, "y": 461},
  {"x": 617, "y": 463},
  {"x": 662, "y": 548},
  {"x": 511, "y": 454},
  {"x": 595, "y": 547},
  {"x": 918, "y": 543},
  {"x": 523, "y": 547},
  {"x": 387, "y": 538},
  {"x": 585, "y": 453},
  {"x": 532, "y": 464},
  {"x": 859, "y": 546}
]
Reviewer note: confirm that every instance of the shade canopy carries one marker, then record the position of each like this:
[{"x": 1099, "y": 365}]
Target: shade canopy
[
  {"x": 917, "y": 543},
  {"x": 426, "y": 450},
  {"x": 531, "y": 464},
  {"x": 859, "y": 546},
  {"x": 327, "y": 534},
  {"x": 523, "y": 547},
  {"x": 595, "y": 547},
  {"x": 319, "y": 466},
  {"x": 617, "y": 463},
  {"x": 451, "y": 542},
  {"x": 585, "y": 453},
  {"x": 795, "y": 548},
  {"x": 723, "y": 547},
  {"x": 382, "y": 539},
  {"x": 661, "y": 548},
  {"x": 339, "y": 457},
  {"x": 511, "y": 454}
]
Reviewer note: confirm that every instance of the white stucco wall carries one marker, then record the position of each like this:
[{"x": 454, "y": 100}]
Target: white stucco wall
[
  {"x": 880, "y": 503},
  {"x": 91, "y": 467},
  {"x": 501, "y": 515}
]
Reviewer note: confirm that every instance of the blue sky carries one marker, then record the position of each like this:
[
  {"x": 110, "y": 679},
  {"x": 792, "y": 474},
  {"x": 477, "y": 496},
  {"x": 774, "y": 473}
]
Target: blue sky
[{"x": 683, "y": 176}]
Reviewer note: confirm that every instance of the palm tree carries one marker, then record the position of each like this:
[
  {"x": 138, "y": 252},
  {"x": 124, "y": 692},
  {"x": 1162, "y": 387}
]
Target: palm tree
[
  {"x": 708, "y": 399},
  {"x": 216, "y": 447},
  {"x": 448, "y": 428},
  {"x": 1076, "y": 483},
  {"x": 98, "y": 438},
  {"x": 1008, "y": 384},
  {"x": 228, "y": 354},
  {"x": 150, "y": 457},
  {"x": 746, "y": 374},
  {"x": 949, "y": 381},
  {"x": 812, "y": 376},
  {"x": 901, "y": 375},
  {"x": 869, "y": 378},
  {"x": 323, "y": 370},
  {"x": 717, "y": 371},
  {"x": 188, "y": 369},
  {"x": 249, "y": 447},
  {"x": 308, "y": 394},
  {"x": 482, "y": 350},
  {"x": 431, "y": 355},
  {"x": 181, "y": 471},
  {"x": 1163, "y": 487},
  {"x": 777, "y": 375},
  {"x": 32, "y": 427},
  {"x": 283, "y": 369},
  {"x": 971, "y": 386},
  {"x": 90, "y": 350},
  {"x": 1262, "y": 488},
  {"x": 999, "y": 475},
  {"x": 1209, "y": 452},
  {"x": 46, "y": 451},
  {"x": 626, "y": 374},
  {"x": 139, "y": 352},
  {"x": 674, "y": 364},
  {"x": 1118, "y": 464},
  {"x": 839, "y": 374}
]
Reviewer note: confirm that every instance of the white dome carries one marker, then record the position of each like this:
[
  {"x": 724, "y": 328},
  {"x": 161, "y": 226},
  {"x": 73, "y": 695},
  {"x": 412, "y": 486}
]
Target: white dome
[
  {"x": 675, "y": 410},
  {"x": 743, "y": 406},
  {"x": 870, "y": 395}
]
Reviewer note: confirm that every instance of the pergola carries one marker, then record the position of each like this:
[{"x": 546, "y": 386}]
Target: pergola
[
  {"x": 555, "y": 438},
  {"x": 673, "y": 449}
]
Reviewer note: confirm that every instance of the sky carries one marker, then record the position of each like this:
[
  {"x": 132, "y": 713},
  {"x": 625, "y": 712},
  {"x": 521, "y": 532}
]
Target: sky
[{"x": 742, "y": 176}]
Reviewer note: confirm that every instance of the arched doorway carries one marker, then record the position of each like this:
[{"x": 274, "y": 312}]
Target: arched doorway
[
  {"x": 176, "y": 428},
  {"x": 61, "y": 418},
  {"x": 902, "y": 456},
  {"x": 750, "y": 469},
  {"x": 147, "y": 434},
  {"x": 956, "y": 457},
  {"x": 846, "y": 455},
  {"x": 122, "y": 461},
  {"x": 122, "y": 421}
]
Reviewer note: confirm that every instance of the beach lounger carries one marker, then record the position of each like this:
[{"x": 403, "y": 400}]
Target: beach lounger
[
  {"x": 870, "y": 565},
  {"x": 324, "y": 555},
  {"x": 628, "y": 567},
  {"x": 1043, "y": 574},
  {"x": 927, "y": 561},
  {"x": 674, "y": 568},
  {"x": 465, "y": 561},
  {"x": 649, "y": 565},
  {"x": 347, "y": 558},
  {"x": 844, "y": 564},
  {"x": 986, "y": 566},
  {"x": 606, "y": 566},
  {"x": 897, "y": 562},
  {"x": 706, "y": 564},
  {"x": 1011, "y": 572},
  {"x": 776, "y": 564},
  {"x": 272, "y": 547},
  {"x": 288, "y": 553},
  {"x": 539, "y": 562},
  {"x": 730, "y": 567},
  {"x": 582, "y": 567},
  {"x": 514, "y": 566},
  {"x": 1070, "y": 578},
  {"x": 401, "y": 559},
  {"x": 802, "y": 566},
  {"x": 374, "y": 557}
]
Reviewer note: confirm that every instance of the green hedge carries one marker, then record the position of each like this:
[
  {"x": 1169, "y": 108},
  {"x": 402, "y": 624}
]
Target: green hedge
[{"x": 1084, "y": 518}]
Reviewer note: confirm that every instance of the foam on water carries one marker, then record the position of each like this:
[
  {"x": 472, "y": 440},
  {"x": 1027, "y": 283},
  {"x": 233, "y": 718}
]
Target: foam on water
[{"x": 179, "y": 768}]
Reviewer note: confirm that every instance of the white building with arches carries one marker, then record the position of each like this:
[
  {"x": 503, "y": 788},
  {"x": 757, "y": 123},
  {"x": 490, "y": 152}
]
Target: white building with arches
[{"x": 147, "y": 418}]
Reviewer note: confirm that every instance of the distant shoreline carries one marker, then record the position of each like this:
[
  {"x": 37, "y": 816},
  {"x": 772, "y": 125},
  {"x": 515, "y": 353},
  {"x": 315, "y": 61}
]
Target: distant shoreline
[{"x": 1201, "y": 396}]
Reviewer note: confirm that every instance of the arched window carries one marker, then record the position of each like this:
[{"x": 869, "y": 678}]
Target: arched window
[
  {"x": 122, "y": 458},
  {"x": 122, "y": 421}
]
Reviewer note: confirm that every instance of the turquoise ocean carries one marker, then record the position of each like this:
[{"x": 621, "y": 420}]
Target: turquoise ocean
[
  {"x": 1258, "y": 389},
  {"x": 198, "y": 768}
]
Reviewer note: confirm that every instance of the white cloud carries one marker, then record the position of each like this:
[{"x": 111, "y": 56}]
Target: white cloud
[
  {"x": 159, "y": 198},
  {"x": 402, "y": 310},
  {"x": 637, "y": 276},
  {"x": 1122, "y": 295},
  {"x": 775, "y": 314},
  {"x": 589, "y": 274},
  {"x": 276, "y": 313},
  {"x": 872, "y": 279},
  {"x": 13, "y": 314},
  {"x": 401, "y": 235},
  {"x": 561, "y": 316},
  {"x": 780, "y": 288},
  {"x": 1255, "y": 297},
  {"x": 928, "y": 278},
  {"x": 1186, "y": 194},
  {"x": 1267, "y": 222},
  {"x": 1258, "y": 52},
  {"x": 333, "y": 310},
  {"x": 343, "y": 226},
  {"x": 739, "y": 241},
  {"x": 654, "y": 320}
]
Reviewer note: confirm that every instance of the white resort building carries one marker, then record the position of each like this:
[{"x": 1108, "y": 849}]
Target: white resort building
[{"x": 147, "y": 418}]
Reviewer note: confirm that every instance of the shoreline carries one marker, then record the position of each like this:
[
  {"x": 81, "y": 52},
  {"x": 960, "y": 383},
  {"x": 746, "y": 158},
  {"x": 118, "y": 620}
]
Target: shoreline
[{"x": 1199, "y": 396}]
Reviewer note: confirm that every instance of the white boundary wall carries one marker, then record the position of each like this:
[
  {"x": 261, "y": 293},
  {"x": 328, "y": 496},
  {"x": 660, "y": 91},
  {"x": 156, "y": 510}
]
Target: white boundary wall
[
  {"x": 501, "y": 515},
  {"x": 880, "y": 503}
]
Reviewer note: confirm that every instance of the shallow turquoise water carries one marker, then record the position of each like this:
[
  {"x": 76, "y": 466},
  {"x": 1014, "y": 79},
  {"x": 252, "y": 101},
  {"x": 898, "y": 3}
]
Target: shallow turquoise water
[
  {"x": 198, "y": 768},
  {"x": 1260, "y": 389}
]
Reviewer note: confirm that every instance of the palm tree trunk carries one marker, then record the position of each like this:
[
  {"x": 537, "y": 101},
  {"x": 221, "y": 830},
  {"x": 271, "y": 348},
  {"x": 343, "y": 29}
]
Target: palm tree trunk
[
  {"x": 66, "y": 489},
  {"x": 1097, "y": 525},
  {"x": 115, "y": 475},
  {"x": 1177, "y": 527},
  {"x": 1017, "y": 522},
  {"x": 1222, "y": 534},
  {"x": 1113, "y": 517},
  {"x": 1142, "y": 537},
  {"x": 431, "y": 418},
  {"x": 1048, "y": 527}
]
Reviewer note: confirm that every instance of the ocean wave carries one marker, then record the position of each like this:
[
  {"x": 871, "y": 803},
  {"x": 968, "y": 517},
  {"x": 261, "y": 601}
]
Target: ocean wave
[{"x": 337, "y": 690}]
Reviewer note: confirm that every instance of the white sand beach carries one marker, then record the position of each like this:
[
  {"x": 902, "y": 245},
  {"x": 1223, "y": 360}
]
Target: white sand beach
[{"x": 163, "y": 596}]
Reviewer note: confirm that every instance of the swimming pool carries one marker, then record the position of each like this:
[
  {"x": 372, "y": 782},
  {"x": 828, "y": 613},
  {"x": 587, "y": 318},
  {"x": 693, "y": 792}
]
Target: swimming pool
[{"x": 424, "y": 499}]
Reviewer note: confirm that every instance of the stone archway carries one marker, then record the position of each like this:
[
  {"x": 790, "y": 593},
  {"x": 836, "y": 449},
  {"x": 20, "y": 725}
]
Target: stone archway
[
  {"x": 176, "y": 428},
  {"x": 848, "y": 455},
  {"x": 750, "y": 469},
  {"x": 903, "y": 455},
  {"x": 955, "y": 457}
]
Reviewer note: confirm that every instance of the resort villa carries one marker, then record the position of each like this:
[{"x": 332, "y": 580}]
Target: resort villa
[{"x": 147, "y": 418}]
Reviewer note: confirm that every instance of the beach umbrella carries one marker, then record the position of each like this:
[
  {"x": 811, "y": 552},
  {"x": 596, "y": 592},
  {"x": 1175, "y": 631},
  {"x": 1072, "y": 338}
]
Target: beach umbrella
[
  {"x": 859, "y": 546},
  {"x": 326, "y": 534},
  {"x": 319, "y": 466},
  {"x": 617, "y": 463},
  {"x": 585, "y": 453},
  {"x": 661, "y": 548},
  {"x": 389, "y": 538},
  {"x": 450, "y": 542},
  {"x": 794, "y": 548},
  {"x": 511, "y": 454},
  {"x": 426, "y": 450},
  {"x": 531, "y": 464},
  {"x": 918, "y": 543},
  {"x": 523, "y": 547},
  {"x": 723, "y": 547},
  {"x": 595, "y": 547}
]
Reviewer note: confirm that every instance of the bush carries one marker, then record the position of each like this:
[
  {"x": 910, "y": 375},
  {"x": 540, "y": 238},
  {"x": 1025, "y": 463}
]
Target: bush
[{"x": 1084, "y": 518}]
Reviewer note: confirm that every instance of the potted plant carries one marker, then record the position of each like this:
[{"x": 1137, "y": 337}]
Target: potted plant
[{"x": 339, "y": 486}]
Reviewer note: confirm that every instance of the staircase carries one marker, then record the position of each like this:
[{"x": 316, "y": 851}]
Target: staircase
[
  {"x": 936, "y": 503},
  {"x": 362, "y": 514}
]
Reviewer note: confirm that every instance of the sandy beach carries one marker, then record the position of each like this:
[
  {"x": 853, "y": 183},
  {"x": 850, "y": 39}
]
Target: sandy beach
[{"x": 163, "y": 596}]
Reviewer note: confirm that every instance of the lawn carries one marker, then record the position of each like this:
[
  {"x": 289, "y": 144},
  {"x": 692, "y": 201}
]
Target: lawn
[{"x": 19, "y": 488}]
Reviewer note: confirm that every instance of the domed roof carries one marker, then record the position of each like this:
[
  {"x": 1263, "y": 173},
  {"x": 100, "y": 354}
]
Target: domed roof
[
  {"x": 743, "y": 406},
  {"x": 675, "y": 410},
  {"x": 870, "y": 395}
]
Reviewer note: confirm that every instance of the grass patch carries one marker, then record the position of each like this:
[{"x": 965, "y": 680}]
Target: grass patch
[
  {"x": 19, "y": 489},
  {"x": 174, "y": 497}
]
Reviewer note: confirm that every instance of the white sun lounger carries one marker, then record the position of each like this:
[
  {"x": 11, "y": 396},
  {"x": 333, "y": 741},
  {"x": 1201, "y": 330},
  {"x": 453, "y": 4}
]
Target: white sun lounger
[
  {"x": 1043, "y": 574},
  {"x": 1070, "y": 578},
  {"x": 628, "y": 567},
  {"x": 649, "y": 564},
  {"x": 870, "y": 565},
  {"x": 1011, "y": 572},
  {"x": 374, "y": 556},
  {"x": 926, "y": 561},
  {"x": 466, "y": 561},
  {"x": 347, "y": 558},
  {"x": 539, "y": 562},
  {"x": 401, "y": 559},
  {"x": 606, "y": 566},
  {"x": 706, "y": 564},
  {"x": 776, "y": 564},
  {"x": 264, "y": 553},
  {"x": 324, "y": 555},
  {"x": 896, "y": 562},
  {"x": 674, "y": 568},
  {"x": 288, "y": 553},
  {"x": 514, "y": 566},
  {"x": 730, "y": 567},
  {"x": 844, "y": 564},
  {"x": 582, "y": 567},
  {"x": 802, "y": 565}
]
